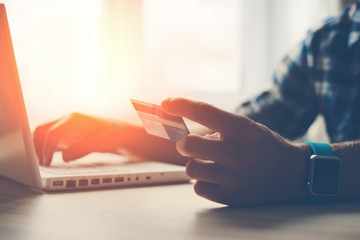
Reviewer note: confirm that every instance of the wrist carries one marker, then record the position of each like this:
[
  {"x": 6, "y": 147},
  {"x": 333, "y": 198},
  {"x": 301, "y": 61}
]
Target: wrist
[
  {"x": 348, "y": 152},
  {"x": 301, "y": 153}
]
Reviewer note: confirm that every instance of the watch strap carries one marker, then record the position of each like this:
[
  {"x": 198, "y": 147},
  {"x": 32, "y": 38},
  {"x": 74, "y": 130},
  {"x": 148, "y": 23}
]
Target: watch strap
[{"x": 323, "y": 149}]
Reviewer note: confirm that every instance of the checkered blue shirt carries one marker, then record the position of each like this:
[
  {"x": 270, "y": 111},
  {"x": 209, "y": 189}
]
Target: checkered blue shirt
[{"x": 321, "y": 76}]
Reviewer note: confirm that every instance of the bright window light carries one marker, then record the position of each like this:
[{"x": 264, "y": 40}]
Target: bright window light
[
  {"x": 91, "y": 56},
  {"x": 193, "y": 44},
  {"x": 57, "y": 46}
]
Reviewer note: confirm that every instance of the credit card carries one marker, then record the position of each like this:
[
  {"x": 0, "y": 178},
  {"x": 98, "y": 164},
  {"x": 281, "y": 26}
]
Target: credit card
[{"x": 157, "y": 122}]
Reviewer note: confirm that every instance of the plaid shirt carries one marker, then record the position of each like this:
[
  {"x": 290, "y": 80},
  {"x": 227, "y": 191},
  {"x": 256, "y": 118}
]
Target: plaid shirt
[{"x": 322, "y": 76}]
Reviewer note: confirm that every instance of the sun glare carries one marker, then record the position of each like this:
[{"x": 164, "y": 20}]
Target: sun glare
[{"x": 71, "y": 57}]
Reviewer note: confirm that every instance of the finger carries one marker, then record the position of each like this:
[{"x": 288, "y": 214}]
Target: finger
[
  {"x": 39, "y": 136},
  {"x": 74, "y": 152},
  {"x": 56, "y": 135},
  {"x": 210, "y": 191},
  {"x": 203, "y": 113},
  {"x": 206, "y": 171},
  {"x": 200, "y": 147}
]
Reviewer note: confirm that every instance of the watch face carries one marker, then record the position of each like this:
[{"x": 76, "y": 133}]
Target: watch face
[{"x": 326, "y": 175}]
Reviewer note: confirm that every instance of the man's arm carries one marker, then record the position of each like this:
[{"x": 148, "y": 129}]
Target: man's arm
[
  {"x": 290, "y": 106},
  {"x": 77, "y": 135},
  {"x": 349, "y": 153}
]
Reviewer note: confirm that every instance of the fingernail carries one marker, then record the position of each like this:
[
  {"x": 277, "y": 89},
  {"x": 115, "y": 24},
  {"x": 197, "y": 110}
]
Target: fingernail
[
  {"x": 165, "y": 103},
  {"x": 180, "y": 145}
]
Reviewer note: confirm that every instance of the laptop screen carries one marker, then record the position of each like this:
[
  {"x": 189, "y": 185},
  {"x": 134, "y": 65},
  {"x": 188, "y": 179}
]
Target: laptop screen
[{"x": 17, "y": 158}]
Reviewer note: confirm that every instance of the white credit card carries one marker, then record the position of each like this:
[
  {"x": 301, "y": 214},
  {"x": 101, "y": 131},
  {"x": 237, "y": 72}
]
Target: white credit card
[{"x": 157, "y": 122}]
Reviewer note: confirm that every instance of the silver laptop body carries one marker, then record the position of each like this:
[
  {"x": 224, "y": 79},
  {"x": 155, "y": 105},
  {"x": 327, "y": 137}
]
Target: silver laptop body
[{"x": 18, "y": 160}]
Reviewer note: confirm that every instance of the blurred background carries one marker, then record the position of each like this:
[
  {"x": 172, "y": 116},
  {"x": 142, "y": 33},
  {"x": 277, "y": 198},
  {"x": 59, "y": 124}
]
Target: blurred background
[{"x": 92, "y": 56}]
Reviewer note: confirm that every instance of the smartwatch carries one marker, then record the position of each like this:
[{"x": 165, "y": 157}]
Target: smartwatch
[{"x": 324, "y": 175}]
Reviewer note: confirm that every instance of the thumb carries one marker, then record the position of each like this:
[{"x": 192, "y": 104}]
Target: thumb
[{"x": 203, "y": 113}]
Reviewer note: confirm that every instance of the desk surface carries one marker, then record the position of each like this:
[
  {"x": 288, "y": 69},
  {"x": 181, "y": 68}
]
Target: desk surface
[{"x": 163, "y": 212}]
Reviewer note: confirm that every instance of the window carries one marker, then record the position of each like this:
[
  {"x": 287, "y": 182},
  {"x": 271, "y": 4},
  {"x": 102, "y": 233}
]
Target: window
[
  {"x": 57, "y": 46},
  {"x": 194, "y": 44}
]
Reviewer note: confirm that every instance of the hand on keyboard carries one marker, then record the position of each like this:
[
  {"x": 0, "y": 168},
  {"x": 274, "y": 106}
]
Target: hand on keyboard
[{"x": 77, "y": 135}]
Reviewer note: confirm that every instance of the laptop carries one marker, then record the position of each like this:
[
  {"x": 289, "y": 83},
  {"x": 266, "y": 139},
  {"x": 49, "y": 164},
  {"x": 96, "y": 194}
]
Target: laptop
[{"x": 18, "y": 160}]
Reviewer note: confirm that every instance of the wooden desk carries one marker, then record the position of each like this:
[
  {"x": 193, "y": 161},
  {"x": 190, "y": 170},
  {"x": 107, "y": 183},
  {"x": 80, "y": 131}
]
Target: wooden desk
[{"x": 163, "y": 212}]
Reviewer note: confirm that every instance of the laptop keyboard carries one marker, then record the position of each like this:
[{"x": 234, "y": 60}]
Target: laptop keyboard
[
  {"x": 82, "y": 170},
  {"x": 87, "y": 165}
]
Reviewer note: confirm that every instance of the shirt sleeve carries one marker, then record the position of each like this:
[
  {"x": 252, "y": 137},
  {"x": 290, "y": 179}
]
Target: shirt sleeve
[{"x": 289, "y": 107}]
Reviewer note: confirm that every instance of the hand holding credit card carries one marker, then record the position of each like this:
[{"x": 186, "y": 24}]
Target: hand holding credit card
[{"x": 158, "y": 123}]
